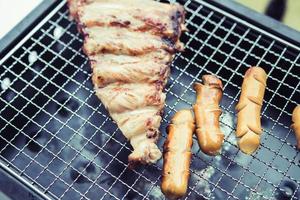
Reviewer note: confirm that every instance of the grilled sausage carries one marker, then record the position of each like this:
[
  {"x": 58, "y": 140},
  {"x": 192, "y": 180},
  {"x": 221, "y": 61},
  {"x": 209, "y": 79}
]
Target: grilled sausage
[
  {"x": 296, "y": 124},
  {"x": 177, "y": 155},
  {"x": 207, "y": 113},
  {"x": 249, "y": 108}
]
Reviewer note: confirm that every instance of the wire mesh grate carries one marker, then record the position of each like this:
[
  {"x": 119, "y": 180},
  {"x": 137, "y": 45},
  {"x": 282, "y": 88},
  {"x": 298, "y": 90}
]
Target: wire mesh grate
[{"x": 56, "y": 135}]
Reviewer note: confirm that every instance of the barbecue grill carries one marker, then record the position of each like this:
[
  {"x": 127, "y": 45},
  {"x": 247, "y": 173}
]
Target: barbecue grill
[{"x": 57, "y": 139}]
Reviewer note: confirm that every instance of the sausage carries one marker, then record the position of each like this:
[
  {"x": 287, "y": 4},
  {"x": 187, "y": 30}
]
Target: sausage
[
  {"x": 249, "y": 108},
  {"x": 177, "y": 154},
  {"x": 296, "y": 124},
  {"x": 207, "y": 114}
]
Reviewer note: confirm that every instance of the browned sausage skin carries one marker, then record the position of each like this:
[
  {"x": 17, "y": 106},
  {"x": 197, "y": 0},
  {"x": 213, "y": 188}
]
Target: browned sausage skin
[
  {"x": 177, "y": 154},
  {"x": 249, "y": 108},
  {"x": 207, "y": 113},
  {"x": 296, "y": 124}
]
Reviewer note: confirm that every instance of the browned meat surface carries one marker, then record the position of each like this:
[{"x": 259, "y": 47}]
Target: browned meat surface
[
  {"x": 119, "y": 97},
  {"x": 136, "y": 15},
  {"x": 72, "y": 4},
  {"x": 130, "y": 44},
  {"x": 148, "y": 68},
  {"x": 123, "y": 41}
]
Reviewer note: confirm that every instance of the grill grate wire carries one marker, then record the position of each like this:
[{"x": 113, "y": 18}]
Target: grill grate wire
[{"x": 57, "y": 136}]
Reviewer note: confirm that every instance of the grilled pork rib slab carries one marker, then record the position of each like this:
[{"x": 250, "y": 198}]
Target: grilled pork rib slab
[{"x": 130, "y": 45}]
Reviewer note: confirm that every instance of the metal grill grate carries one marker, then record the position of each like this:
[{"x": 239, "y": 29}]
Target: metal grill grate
[{"x": 57, "y": 138}]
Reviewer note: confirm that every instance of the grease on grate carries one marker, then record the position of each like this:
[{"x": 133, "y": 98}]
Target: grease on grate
[
  {"x": 5, "y": 83},
  {"x": 32, "y": 57}
]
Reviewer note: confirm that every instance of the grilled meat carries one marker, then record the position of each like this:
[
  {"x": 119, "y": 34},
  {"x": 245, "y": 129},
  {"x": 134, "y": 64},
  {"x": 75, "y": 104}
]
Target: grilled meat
[
  {"x": 207, "y": 114},
  {"x": 135, "y": 15},
  {"x": 148, "y": 68},
  {"x": 130, "y": 45},
  {"x": 296, "y": 124},
  {"x": 122, "y": 41},
  {"x": 248, "y": 109}
]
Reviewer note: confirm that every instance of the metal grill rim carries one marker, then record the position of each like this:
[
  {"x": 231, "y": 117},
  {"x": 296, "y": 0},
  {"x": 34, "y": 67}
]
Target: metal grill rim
[{"x": 180, "y": 98}]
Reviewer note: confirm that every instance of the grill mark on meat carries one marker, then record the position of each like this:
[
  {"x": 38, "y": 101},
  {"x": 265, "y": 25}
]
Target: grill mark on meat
[
  {"x": 162, "y": 74},
  {"x": 156, "y": 28},
  {"x": 93, "y": 23},
  {"x": 120, "y": 89},
  {"x": 132, "y": 52},
  {"x": 151, "y": 26},
  {"x": 102, "y": 82},
  {"x": 121, "y": 24}
]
